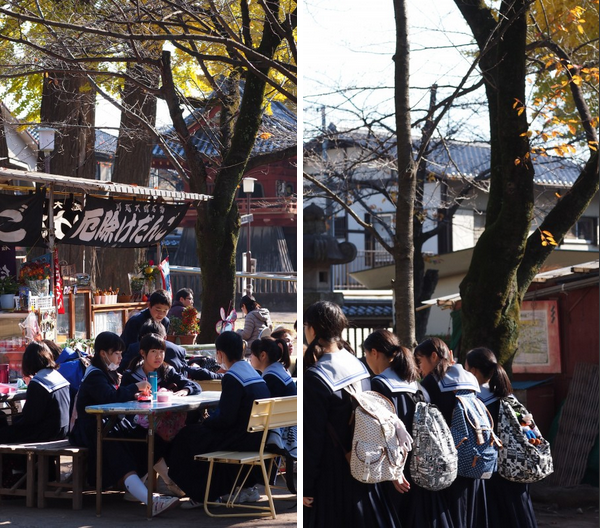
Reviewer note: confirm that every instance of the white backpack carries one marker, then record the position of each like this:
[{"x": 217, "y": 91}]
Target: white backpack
[
  {"x": 380, "y": 443},
  {"x": 434, "y": 461},
  {"x": 519, "y": 460}
]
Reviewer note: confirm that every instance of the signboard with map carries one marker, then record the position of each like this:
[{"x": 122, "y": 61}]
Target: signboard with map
[{"x": 539, "y": 339}]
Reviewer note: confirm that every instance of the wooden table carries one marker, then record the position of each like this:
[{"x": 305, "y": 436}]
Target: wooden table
[{"x": 151, "y": 410}]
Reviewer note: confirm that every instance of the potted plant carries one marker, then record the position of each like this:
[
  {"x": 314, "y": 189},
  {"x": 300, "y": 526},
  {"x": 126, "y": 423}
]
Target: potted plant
[
  {"x": 184, "y": 331},
  {"x": 8, "y": 290}
]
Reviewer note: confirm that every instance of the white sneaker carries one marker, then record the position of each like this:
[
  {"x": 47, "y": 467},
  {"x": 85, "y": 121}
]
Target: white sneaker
[
  {"x": 190, "y": 505},
  {"x": 245, "y": 495},
  {"x": 162, "y": 504}
]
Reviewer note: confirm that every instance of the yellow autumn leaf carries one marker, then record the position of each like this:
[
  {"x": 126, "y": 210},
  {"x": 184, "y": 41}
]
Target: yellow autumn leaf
[
  {"x": 572, "y": 129},
  {"x": 517, "y": 161},
  {"x": 576, "y": 79},
  {"x": 557, "y": 195},
  {"x": 580, "y": 28},
  {"x": 520, "y": 111},
  {"x": 544, "y": 243}
]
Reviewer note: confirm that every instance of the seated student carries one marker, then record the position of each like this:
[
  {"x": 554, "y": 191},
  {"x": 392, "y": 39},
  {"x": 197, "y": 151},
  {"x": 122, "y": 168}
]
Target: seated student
[
  {"x": 122, "y": 461},
  {"x": 224, "y": 429},
  {"x": 160, "y": 303},
  {"x": 174, "y": 354},
  {"x": 152, "y": 358},
  {"x": 271, "y": 357},
  {"x": 45, "y": 415},
  {"x": 181, "y": 300},
  {"x": 257, "y": 319}
]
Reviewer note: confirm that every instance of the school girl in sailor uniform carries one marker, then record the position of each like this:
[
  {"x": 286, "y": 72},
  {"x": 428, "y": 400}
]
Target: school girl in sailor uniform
[
  {"x": 508, "y": 503},
  {"x": 45, "y": 415},
  {"x": 122, "y": 461},
  {"x": 271, "y": 357},
  {"x": 152, "y": 353},
  {"x": 396, "y": 375},
  {"x": 465, "y": 498},
  {"x": 225, "y": 428},
  {"x": 331, "y": 496}
]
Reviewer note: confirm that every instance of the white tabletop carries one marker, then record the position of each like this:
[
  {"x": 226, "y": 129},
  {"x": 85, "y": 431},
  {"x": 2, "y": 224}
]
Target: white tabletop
[{"x": 177, "y": 403}]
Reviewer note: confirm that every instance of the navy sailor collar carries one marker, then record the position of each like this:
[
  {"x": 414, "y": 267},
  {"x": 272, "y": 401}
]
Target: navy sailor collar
[
  {"x": 486, "y": 395},
  {"x": 278, "y": 370},
  {"x": 393, "y": 382},
  {"x": 457, "y": 378},
  {"x": 339, "y": 369},
  {"x": 50, "y": 379},
  {"x": 245, "y": 373}
]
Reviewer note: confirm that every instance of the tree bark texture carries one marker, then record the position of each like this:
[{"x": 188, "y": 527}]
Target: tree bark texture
[
  {"x": 404, "y": 301},
  {"x": 505, "y": 258},
  {"x": 68, "y": 105},
  {"x": 132, "y": 165}
]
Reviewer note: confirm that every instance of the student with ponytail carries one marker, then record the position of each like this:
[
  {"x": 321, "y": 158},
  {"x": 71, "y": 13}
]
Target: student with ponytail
[
  {"x": 395, "y": 378},
  {"x": 331, "y": 496},
  {"x": 442, "y": 379},
  {"x": 272, "y": 358},
  {"x": 509, "y": 503}
]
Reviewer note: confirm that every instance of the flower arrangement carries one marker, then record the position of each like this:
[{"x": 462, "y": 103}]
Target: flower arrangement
[
  {"x": 34, "y": 271},
  {"x": 148, "y": 270},
  {"x": 187, "y": 325}
]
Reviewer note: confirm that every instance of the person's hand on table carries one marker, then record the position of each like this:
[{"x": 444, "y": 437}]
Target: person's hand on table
[
  {"x": 182, "y": 392},
  {"x": 144, "y": 386}
]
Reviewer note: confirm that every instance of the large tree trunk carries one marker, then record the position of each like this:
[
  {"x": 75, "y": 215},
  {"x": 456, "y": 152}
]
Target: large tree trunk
[
  {"x": 132, "y": 166},
  {"x": 403, "y": 241},
  {"x": 68, "y": 105},
  {"x": 490, "y": 296},
  {"x": 505, "y": 259}
]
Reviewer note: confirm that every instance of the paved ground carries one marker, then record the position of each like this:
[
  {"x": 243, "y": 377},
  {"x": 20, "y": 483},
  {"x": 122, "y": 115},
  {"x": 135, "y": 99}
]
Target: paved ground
[
  {"x": 116, "y": 513},
  {"x": 575, "y": 507},
  {"x": 555, "y": 507}
]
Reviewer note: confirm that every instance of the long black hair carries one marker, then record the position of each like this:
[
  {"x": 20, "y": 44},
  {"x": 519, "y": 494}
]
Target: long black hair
[
  {"x": 428, "y": 347},
  {"x": 149, "y": 342},
  {"x": 484, "y": 360},
  {"x": 403, "y": 361},
  {"x": 276, "y": 350},
  {"x": 328, "y": 322}
]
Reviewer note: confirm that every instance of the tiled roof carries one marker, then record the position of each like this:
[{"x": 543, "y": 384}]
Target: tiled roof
[
  {"x": 454, "y": 158},
  {"x": 277, "y": 132},
  {"x": 371, "y": 310}
]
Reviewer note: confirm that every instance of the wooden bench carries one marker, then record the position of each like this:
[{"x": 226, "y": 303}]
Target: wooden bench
[
  {"x": 50, "y": 484},
  {"x": 267, "y": 414},
  {"x": 39, "y": 457}
]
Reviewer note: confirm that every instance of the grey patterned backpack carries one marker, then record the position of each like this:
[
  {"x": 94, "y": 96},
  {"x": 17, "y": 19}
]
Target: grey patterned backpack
[
  {"x": 519, "y": 460},
  {"x": 434, "y": 461}
]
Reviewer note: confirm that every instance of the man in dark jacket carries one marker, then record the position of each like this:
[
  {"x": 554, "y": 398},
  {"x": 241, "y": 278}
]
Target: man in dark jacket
[
  {"x": 183, "y": 299},
  {"x": 160, "y": 303}
]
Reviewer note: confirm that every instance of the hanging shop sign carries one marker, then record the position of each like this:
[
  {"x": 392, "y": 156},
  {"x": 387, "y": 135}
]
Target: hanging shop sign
[
  {"x": 21, "y": 219},
  {"x": 112, "y": 223}
]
